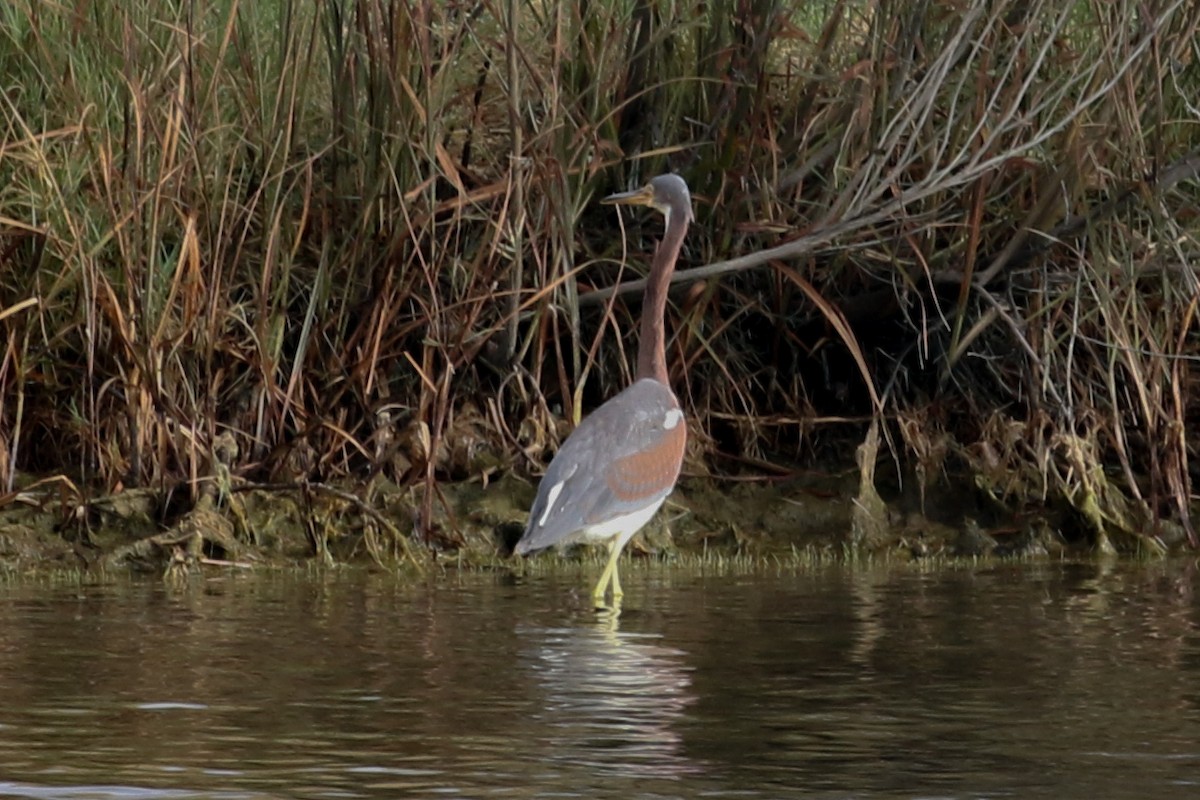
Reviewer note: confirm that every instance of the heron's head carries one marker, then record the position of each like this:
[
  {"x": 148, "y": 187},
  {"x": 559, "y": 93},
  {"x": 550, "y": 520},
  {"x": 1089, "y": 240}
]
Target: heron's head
[{"x": 667, "y": 193}]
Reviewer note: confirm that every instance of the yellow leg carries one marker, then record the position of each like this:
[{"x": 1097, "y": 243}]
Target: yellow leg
[{"x": 609, "y": 575}]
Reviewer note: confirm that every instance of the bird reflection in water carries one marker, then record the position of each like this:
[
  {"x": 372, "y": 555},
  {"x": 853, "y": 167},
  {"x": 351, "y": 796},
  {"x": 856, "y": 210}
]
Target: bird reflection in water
[{"x": 613, "y": 701}]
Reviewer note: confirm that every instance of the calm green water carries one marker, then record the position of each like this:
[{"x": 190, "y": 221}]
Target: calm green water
[{"x": 991, "y": 682}]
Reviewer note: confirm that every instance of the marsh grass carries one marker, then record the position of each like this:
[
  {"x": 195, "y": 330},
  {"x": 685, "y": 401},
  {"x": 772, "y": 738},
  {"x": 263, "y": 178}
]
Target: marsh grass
[
  {"x": 588, "y": 564},
  {"x": 359, "y": 237}
]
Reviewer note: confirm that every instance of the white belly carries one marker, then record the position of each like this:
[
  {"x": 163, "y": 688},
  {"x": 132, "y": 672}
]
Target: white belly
[{"x": 622, "y": 527}]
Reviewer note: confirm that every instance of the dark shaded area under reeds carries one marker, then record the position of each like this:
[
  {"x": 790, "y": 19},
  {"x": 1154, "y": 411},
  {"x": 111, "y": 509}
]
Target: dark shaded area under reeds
[{"x": 340, "y": 242}]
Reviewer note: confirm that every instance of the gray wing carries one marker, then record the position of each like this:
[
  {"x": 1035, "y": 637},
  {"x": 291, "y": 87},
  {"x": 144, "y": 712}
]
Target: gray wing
[{"x": 622, "y": 458}]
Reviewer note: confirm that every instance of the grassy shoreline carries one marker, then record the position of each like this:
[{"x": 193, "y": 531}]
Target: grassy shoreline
[{"x": 341, "y": 241}]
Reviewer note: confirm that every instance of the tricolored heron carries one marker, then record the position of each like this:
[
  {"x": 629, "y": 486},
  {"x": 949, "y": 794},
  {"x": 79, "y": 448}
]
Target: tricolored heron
[{"x": 616, "y": 469}]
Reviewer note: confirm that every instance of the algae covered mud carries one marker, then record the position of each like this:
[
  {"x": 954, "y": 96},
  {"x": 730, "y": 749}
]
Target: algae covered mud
[{"x": 802, "y": 521}]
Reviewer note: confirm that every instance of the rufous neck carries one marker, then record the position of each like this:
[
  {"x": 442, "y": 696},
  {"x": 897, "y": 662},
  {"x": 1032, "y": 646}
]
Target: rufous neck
[{"x": 652, "y": 354}]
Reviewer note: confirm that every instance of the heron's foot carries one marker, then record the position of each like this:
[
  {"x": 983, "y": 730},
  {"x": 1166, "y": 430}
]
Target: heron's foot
[
  {"x": 603, "y": 608},
  {"x": 600, "y": 591},
  {"x": 609, "y": 577},
  {"x": 600, "y": 596},
  {"x": 607, "y": 612}
]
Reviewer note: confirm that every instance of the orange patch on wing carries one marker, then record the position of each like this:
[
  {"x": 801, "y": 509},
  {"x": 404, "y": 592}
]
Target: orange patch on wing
[{"x": 649, "y": 471}]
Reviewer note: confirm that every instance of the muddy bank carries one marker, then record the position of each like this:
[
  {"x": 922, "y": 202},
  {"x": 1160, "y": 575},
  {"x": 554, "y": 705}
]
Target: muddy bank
[{"x": 262, "y": 526}]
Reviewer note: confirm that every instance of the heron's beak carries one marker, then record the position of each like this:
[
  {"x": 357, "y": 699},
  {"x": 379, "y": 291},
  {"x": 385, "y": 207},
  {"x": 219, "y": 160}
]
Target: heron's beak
[{"x": 638, "y": 197}]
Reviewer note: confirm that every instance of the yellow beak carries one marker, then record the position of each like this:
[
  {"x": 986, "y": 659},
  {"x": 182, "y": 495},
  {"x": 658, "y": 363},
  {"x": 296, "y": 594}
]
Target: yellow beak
[{"x": 638, "y": 197}]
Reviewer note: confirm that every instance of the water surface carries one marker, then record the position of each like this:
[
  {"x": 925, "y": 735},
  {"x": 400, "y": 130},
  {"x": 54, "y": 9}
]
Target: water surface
[{"x": 983, "y": 682}]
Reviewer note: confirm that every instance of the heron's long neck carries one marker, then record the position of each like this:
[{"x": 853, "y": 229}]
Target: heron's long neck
[{"x": 652, "y": 353}]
